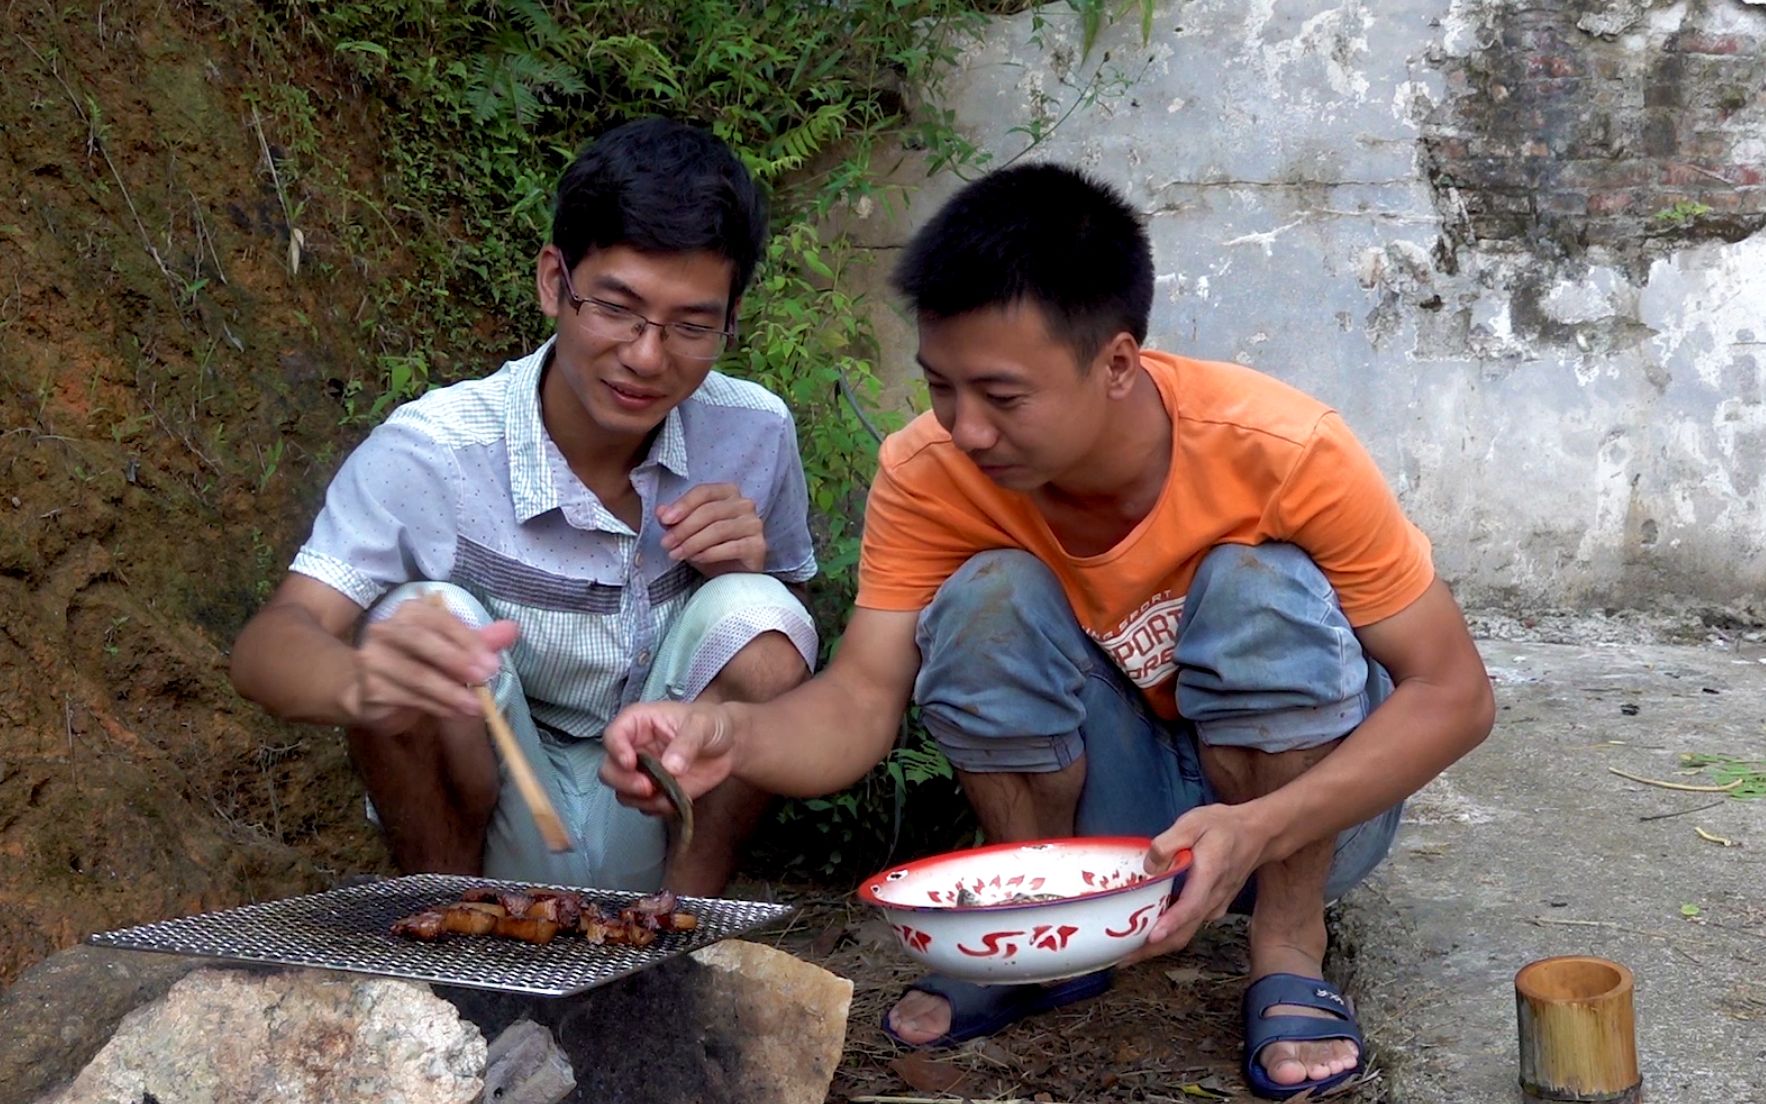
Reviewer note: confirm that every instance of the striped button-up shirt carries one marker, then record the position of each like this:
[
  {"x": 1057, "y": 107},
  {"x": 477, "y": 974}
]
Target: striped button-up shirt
[{"x": 465, "y": 486}]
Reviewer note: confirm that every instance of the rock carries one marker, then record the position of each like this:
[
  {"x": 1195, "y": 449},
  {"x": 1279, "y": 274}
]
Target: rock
[
  {"x": 291, "y": 1036},
  {"x": 526, "y": 1066},
  {"x": 732, "y": 1023},
  {"x": 60, "y": 1011},
  {"x": 793, "y": 1012}
]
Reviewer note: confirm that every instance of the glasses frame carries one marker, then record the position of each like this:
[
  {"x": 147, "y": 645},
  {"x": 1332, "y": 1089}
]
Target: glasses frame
[{"x": 641, "y": 324}]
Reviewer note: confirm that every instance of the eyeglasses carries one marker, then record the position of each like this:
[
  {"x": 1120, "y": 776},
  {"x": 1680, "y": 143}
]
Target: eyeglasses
[{"x": 612, "y": 322}]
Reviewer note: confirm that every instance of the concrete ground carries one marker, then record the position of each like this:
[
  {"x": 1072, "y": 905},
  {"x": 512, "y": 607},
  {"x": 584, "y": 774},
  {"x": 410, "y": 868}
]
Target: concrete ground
[{"x": 1531, "y": 847}]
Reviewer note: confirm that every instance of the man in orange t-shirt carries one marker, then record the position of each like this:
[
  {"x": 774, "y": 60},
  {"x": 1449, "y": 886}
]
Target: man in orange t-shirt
[{"x": 1133, "y": 594}]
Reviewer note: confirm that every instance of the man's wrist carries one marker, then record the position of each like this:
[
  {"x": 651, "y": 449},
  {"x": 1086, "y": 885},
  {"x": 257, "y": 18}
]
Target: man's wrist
[{"x": 1267, "y": 822}]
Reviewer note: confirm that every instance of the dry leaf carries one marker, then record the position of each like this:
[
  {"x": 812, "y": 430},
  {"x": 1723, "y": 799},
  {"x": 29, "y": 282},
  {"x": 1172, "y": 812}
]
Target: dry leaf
[
  {"x": 828, "y": 940},
  {"x": 927, "y": 1074}
]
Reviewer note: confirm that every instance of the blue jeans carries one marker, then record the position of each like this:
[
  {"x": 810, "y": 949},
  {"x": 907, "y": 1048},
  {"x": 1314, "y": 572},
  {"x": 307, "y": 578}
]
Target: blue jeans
[{"x": 1009, "y": 682}]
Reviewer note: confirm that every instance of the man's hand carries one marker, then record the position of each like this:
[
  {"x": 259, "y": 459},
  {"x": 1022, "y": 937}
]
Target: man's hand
[
  {"x": 715, "y": 529},
  {"x": 1226, "y": 849},
  {"x": 692, "y": 740},
  {"x": 419, "y": 662}
]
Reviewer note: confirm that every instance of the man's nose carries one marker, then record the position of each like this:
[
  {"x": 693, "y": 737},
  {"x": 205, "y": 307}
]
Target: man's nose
[
  {"x": 646, "y": 352},
  {"x": 970, "y": 428}
]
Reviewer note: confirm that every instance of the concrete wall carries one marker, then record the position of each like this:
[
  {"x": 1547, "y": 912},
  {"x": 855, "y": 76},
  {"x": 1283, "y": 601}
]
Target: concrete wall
[{"x": 1516, "y": 246}]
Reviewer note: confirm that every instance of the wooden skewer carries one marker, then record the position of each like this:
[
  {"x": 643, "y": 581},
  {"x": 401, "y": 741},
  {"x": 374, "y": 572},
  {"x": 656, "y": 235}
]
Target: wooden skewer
[{"x": 545, "y": 817}]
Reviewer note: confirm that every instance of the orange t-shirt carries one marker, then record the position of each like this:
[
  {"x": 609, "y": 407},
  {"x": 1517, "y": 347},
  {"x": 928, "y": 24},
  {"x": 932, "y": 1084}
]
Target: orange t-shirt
[{"x": 1252, "y": 460}]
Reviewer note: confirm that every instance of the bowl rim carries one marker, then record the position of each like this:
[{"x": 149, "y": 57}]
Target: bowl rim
[{"x": 1180, "y": 863}]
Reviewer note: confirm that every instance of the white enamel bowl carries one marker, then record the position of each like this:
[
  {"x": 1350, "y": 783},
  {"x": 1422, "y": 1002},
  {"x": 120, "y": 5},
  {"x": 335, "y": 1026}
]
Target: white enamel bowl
[{"x": 968, "y": 914}]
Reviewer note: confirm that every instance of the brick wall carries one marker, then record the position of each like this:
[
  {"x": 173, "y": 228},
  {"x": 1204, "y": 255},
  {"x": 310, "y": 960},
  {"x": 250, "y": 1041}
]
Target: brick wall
[{"x": 1560, "y": 139}]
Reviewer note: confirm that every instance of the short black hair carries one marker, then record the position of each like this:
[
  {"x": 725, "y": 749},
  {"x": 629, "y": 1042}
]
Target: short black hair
[
  {"x": 1042, "y": 233},
  {"x": 661, "y": 186}
]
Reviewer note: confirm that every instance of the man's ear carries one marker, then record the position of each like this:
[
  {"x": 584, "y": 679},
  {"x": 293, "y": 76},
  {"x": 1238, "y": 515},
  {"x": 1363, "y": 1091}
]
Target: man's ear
[
  {"x": 549, "y": 280},
  {"x": 732, "y": 315},
  {"x": 1120, "y": 360}
]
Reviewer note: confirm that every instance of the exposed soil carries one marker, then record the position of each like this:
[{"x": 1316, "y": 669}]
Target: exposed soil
[{"x": 167, "y": 424}]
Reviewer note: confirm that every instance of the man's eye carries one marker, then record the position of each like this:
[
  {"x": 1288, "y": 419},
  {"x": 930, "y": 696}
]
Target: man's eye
[
  {"x": 1005, "y": 400},
  {"x": 692, "y": 330}
]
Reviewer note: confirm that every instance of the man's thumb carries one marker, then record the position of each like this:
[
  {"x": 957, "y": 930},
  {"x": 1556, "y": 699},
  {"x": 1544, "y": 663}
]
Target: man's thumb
[{"x": 1171, "y": 846}]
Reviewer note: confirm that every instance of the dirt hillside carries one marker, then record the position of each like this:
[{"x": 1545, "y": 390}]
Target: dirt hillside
[{"x": 173, "y": 396}]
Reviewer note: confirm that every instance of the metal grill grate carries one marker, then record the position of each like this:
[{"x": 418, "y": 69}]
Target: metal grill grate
[{"x": 349, "y": 929}]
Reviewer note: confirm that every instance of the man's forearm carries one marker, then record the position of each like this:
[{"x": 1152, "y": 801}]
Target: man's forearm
[
  {"x": 287, "y": 663},
  {"x": 821, "y": 737}
]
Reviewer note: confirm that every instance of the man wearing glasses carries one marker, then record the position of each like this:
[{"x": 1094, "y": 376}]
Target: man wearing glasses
[{"x": 606, "y": 521}]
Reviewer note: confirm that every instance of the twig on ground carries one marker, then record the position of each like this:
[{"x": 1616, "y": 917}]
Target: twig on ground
[
  {"x": 295, "y": 238},
  {"x": 1681, "y": 812},
  {"x": 1725, "y": 788},
  {"x": 1608, "y": 924}
]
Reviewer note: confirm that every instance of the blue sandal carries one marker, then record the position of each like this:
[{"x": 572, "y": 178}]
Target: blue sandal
[
  {"x": 977, "y": 1010},
  {"x": 1262, "y": 1030}
]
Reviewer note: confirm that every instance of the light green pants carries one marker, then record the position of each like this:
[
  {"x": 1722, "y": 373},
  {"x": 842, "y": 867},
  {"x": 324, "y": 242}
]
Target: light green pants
[{"x": 616, "y": 847}]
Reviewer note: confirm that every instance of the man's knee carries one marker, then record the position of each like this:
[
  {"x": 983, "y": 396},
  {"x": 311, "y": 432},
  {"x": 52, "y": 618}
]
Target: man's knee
[
  {"x": 1266, "y": 658},
  {"x": 459, "y": 601},
  {"x": 989, "y": 601},
  {"x": 765, "y": 667}
]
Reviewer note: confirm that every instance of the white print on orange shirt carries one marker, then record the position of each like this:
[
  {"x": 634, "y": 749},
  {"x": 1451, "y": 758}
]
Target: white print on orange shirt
[{"x": 1144, "y": 643}]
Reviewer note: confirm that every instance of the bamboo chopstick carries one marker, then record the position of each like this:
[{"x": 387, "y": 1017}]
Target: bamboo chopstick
[{"x": 545, "y": 817}]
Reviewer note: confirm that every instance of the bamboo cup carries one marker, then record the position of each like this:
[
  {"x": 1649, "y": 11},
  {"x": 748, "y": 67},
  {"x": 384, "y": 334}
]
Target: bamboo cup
[{"x": 1577, "y": 1031}]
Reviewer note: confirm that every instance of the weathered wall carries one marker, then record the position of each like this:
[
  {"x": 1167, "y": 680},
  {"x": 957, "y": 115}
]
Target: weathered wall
[{"x": 1515, "y": 244}]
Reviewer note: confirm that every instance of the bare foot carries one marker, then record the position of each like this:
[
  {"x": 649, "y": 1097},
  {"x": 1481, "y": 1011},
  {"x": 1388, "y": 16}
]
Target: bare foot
[
  {"x": 1288, "y": 1063},
  {"x": 920, "y": 1017}
]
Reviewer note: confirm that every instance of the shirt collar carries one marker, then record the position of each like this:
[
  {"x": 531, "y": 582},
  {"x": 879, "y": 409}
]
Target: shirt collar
[{"x": 531, "y": 482}]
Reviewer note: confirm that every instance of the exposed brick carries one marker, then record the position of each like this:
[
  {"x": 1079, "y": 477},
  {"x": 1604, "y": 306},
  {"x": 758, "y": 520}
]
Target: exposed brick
[
  {"x": 1661, "y": 133},
  {"x": 1707, "y": 146},
  {"x": 1604, "y": 174},
  {"x": 1611, "y": 203},
  {"x": 1569, "y": 140},
  {"x": 1505, "y": 203},
  {"x": 1570, "y": 90},
  {"x": 1682, "y": 174},
  {"x": 1553, "y": 65},
  {"x": 1693, "y": 42},
  {"x": 1729, "y": 201},
  {"x": 1452, "y": 149}
]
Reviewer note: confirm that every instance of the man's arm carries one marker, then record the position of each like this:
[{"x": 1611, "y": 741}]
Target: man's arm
[
  {"x": 817, "y": 739},
  {"x": 294, "y": 658},
  {"x": 1440, "y": 708}
]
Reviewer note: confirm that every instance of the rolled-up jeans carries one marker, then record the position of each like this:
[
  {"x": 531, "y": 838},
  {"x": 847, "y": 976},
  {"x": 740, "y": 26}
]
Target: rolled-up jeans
[
  {"x": 1265, "y": 658},
  {"x": 616, "y": 847}
]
